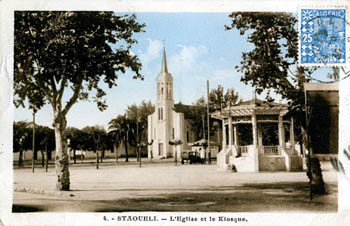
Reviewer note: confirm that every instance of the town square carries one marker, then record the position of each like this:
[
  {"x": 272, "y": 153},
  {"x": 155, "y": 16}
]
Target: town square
[{"x": 136, "y": 113}]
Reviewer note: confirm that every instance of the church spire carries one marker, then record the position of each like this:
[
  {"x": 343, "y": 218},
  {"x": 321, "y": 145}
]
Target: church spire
[{"x": 164, "y": 65}]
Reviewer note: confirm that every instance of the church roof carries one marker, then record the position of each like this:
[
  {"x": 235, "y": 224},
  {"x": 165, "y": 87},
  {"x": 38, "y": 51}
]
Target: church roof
[
  {"x": 202, "y": 142},
  {"x": 188, "y": 110},
  {"x": 257, "y": 102},
  {"x": 164, "y": 74}
]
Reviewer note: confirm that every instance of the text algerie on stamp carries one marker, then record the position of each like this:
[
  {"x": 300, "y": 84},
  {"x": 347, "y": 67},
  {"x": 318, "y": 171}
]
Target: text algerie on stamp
[{"x": 322, "y": 37}]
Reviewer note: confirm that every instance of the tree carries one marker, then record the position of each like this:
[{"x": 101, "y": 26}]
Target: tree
[
  {"x": 21, "y": 139},
  {"x": 44, "y": 140},
  {"x": 56, "y": 51},
  {"x": 120, "y": 126},
  {"x": 76, "y": 138},
  {"x": 218, "y": 99},
  {"x": 96, "y": 136},
  {"x": 138, "y": 116},
  {"x": 175, "y": 143},
  {"x": 196, "y": 113},
  {"x": 193, "y": 114}
]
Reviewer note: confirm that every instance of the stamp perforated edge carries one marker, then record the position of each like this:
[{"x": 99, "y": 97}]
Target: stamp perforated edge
[{"x": 347, "y": 33}]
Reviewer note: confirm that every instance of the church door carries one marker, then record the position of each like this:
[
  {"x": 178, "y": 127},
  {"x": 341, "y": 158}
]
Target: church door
[{"x": 160, "y": 149}]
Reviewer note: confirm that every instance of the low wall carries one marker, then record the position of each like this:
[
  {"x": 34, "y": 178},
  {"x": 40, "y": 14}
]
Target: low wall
[
  {"x": 27, "y": 155},
  {"x": 272, "y": 163},
  {"x": 223, "y": 158},
  {"x": 296, "y": 163}
]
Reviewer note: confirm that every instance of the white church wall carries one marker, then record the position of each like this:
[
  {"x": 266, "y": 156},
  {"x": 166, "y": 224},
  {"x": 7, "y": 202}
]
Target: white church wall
[
  {"x": 177, "y": 134},
  {"x": 187, "y": 128},
  {"x": 150, "y": 135}
]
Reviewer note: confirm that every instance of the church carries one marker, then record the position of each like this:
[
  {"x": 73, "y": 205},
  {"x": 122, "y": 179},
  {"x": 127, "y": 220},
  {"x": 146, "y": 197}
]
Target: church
[{"x": 166, "y": 125}]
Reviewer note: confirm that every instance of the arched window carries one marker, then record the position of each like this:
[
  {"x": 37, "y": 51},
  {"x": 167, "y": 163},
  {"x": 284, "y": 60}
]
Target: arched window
[
  {"x": 169, "y": 94},
  {"x": 158, "y": 88},
  {"x": 166, "y": 92},
  {"x": 160, "y": 114}
]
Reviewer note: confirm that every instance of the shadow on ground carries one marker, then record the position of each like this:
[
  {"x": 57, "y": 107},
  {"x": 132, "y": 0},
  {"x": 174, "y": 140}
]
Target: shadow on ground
[
  {"x": 246, "y": 198},
  {"x": 252, "y": 197},
  {"x": 25, "y": 208}
]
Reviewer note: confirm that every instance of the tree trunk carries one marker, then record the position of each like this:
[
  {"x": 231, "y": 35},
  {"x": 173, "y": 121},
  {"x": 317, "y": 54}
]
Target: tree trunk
[
  {"x": 47, "y": 158},
  {"x": 42, "y": 158},
  {"x": 35, "y": 155},
  {"x": 74, "y": 156},
  {"x": 20, "y": 157},
  {"x": 116, "y": 152},
  {"x": 314, "y": 173},
  {"x": 126, "y": 150},
  {"x": 97, "y": 159},
  {"x": 140, "y": 155},
  {"x": 175, "y": 156},
  {"x": 61, "y": 158}
]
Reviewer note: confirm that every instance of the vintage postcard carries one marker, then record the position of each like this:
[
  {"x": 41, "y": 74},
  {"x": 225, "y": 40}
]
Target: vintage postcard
[{"x": 174, "y": 113}]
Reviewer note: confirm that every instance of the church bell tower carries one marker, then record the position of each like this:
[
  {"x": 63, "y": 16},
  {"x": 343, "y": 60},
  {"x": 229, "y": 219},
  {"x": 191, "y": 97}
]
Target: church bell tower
[{"x": 164, "y": 109}]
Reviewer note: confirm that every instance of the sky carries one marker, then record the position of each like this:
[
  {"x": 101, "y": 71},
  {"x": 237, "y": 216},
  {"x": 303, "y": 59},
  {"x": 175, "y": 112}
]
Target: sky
[{"x": 198, "y": 49}]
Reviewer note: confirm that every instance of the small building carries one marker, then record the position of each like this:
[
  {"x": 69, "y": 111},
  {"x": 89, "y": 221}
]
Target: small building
[
  {"x": 257, "y": 136},
  {"x": 322, "y": 101},
  {"x": 201, "y": 145}
]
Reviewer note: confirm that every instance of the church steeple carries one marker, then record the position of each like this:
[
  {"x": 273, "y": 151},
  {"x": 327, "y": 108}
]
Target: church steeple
[
  {"x": 165, "y": 82},
  {"x": 164, "y": 65}
]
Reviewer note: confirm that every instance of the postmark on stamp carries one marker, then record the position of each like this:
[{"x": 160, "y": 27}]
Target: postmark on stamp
[{"x": 322, "y": 37}]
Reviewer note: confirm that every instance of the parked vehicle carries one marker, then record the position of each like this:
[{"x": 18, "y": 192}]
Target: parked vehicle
[{"x": 191, "y": 157}]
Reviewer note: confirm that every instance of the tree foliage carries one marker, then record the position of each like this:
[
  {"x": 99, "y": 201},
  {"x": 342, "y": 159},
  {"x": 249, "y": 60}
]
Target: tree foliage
[
  {"x": 139, "y": 113},
  {"x": 120, "y": 127},
  {"x": 124, "y": 127},
  {"x": 218, "y": 99},
  {"x": 56, "y": 50},
  {"x": 196, "y": 113},
  {"x": 23, "y": 135},
  {"x": 271, "y": 65},
  {"x": 95, "y": 138}
]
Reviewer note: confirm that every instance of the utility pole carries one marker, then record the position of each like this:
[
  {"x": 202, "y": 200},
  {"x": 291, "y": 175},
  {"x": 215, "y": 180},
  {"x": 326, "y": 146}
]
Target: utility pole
[
  {"x": 208, "y": 123},
  {"x": 203, "y": 126},
  {"x": 33, "y": 141},
  {"x": 137, "y": 137},
  {"x": 47, "y": 155},
  {"x": 308, "y": 154}
]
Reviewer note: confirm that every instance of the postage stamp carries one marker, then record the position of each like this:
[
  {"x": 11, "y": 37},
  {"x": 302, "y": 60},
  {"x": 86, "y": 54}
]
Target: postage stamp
[{"x": 322, "y": 34}]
